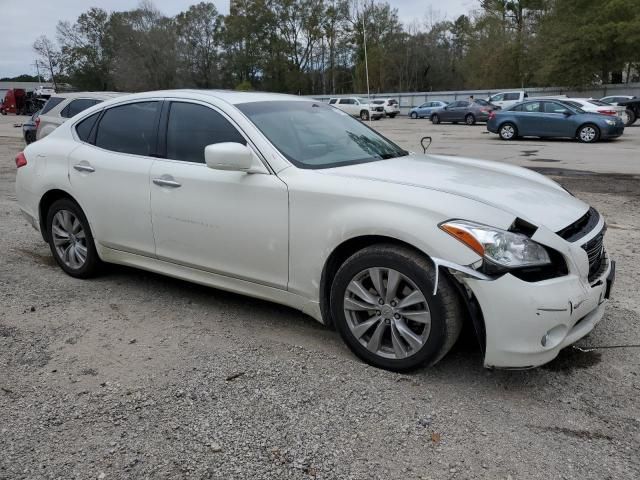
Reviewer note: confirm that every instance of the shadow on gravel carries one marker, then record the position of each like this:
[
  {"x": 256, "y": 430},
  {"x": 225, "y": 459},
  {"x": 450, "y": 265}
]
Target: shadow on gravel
[{"x": 571, "y": 359}]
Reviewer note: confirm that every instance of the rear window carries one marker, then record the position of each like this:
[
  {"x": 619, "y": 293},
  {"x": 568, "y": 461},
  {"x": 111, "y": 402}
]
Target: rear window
[
  {"x": 51, "y": 103},
  {"x": 378, "y": 102},
  {"x": 597, "y": 103},
  {"x": 78, "y": 105},
  {"x": 393, "y": 102}
]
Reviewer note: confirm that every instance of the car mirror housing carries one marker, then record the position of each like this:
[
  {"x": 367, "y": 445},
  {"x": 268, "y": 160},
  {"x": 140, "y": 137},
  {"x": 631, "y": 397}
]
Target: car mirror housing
[{"x": 230, "y": 156}]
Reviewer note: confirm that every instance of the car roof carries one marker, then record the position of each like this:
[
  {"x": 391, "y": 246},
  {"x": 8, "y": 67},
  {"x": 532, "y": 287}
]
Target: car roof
[
  {"x": 98, "y": 95},
  {"x": 230, "y": 96}
]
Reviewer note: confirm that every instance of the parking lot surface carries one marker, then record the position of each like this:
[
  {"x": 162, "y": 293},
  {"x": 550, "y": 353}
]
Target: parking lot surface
[{"x": 135, "y": 375}]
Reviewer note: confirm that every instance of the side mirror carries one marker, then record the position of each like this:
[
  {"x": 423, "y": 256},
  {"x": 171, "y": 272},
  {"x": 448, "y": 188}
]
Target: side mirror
[{"x": 229, "y": 156}]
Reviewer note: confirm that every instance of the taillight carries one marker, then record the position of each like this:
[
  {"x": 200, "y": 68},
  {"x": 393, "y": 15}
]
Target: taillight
[
  {"x": 608, "y": 112},
  {"x": 21, "y": 160},
  {"x": 492, "y": 114},
  {"x": 37, "y": 122}
]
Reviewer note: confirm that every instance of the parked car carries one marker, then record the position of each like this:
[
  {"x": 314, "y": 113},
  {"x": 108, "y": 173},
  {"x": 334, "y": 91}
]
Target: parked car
[
  {"x": 465, "y": 111},
  {"x": 508, "y": 99},
  {"x": 358, "y": 107},
  {"x": 596, "y": 106},
  {"x": 307, "y": 207},
  {"x": 553, "y": 118},
  {"x": 390, "y": 105},
  {"x": 633, "y": 110},
  {"x": 29, "y": 128},
  {"x": 616, "y": 99},
  {"x": 427, "y": 108},
  {"x": 63, "y": 106}
]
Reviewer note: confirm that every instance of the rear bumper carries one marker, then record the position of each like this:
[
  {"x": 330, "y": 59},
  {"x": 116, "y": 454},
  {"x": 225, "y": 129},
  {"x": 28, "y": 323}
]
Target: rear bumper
[
  {"x": 612, "y": 132},
  {"x": 528, "y": 323}
]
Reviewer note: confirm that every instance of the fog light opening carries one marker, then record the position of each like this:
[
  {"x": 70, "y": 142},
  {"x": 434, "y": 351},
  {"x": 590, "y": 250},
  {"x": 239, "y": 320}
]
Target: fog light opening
[{"x": 554, "y": 336}]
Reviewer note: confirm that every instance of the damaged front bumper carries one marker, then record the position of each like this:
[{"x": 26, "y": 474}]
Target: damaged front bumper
[{"x": 526, "y": 324}]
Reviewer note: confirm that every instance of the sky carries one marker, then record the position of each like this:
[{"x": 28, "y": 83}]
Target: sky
[{"x": 21, "y": 25}]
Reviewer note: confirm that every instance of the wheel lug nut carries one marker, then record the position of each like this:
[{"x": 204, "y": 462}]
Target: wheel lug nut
[
  {"x": 387, "y": 321},
  {"x": 378, "y": 312},
  {"x": 393, "y": 303},
  {"x": 381, "y": 301},
  {"x": 397, "y": 316}
]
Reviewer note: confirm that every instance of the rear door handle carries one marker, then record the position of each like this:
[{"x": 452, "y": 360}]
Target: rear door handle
[
  {"x": 166, "y": 182},
  {"x": 84, "y": 167}
]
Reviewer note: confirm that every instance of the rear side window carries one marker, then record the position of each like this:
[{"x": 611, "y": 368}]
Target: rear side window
[
  {"x": 129, "y": 128},
  {"x": 517, "y": 108},
  {"x": 192, "y": 127},
  {"x": 51, "y": 103},
  {"x": 83, "y": 129},
  {"x": 77, "y": 106}
]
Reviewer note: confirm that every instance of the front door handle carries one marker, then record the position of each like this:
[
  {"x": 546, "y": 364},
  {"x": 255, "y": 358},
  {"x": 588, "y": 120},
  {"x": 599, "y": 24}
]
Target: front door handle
[
  {"x": 84, "y": 167},
  {"x": 166, "y": 182}
]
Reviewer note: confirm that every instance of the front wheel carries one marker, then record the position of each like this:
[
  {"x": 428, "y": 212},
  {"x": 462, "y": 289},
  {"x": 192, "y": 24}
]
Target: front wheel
[
  {"x": 414, "y": 115},
  {"x": 435, "y": 119},
  {"x": 364, "y": 115},
  {"x": 383, "y": 305},
  {"x": 508, "y": 131},
  {"x": 70, "y": 239},
  {"x": 588, "y": 133}
]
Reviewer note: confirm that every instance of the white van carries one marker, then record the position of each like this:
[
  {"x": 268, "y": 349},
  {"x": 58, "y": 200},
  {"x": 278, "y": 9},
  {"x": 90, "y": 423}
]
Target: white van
[{"x": 508, "y": 99}]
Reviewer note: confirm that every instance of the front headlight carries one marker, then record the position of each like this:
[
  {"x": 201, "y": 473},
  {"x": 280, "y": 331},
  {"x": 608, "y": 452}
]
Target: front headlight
[
  {"x": 611, "y": 122},
  {"x": 497, "y": 246}
]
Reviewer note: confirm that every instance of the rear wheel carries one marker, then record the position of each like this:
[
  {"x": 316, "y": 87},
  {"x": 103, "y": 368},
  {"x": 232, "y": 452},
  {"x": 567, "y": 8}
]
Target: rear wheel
[
  {"x": 383, "y": 304},
  {"x": 508, "y": 131},
  {"x": 435, "y": 119},
  {"x": 588, "y": 133},
  {"x": 364, "y": 115},
  {"x": 470, "y": 119},
  {"x": 70, "y": 239},
  {"x": 631, "y": 117}
]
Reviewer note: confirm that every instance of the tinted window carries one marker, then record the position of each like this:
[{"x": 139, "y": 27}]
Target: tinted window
[
  {"x": 332, "y": 101},
  {"x": 83, "y": 129},
  {"x": 553, "y": 107},
  {"x": 347, "y": 101},
  {"x": 129, "y": 128},
  {"x": 512, "y": 96},
  {"x": 77, "y": 106},
  {"x": 52, "y": 102},
  {"x": 192, "y": 127}
]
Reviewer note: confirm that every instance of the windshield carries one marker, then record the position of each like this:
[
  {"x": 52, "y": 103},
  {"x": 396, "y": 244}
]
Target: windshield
[{"x": 314, "y": 135}]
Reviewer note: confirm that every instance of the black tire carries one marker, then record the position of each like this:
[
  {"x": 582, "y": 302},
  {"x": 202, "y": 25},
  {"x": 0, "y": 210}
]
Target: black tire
[
  {"x": 445, "y": 307},
  {"x": 588, "y": 133},
  {"x": 364, "y": 115},
  {"x": 92, "y": 262},
  {"x": 30, "y": 137},
  {"x": 470, "y": 119},
  {"x": 508, "y": 131},
  {"x": 631, "y": 117},
  {"x": 435, "y": 119},
  {"x": 392, "y": 115},
  {"x": 414, "y": 115}
]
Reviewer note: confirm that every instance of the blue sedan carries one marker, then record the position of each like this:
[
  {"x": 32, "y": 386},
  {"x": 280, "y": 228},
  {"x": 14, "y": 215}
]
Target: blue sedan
[
  {"x": 553, "y": 118},
  {"x": 427, "y": 108}
]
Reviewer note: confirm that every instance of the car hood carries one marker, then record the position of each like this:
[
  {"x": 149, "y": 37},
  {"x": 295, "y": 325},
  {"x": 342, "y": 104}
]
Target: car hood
[{"x": 519, "y": 191}]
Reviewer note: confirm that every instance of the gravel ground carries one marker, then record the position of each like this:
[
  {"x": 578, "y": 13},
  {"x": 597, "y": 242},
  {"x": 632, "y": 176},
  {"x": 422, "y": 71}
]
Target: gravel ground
[{"x": 134, "y": 375}]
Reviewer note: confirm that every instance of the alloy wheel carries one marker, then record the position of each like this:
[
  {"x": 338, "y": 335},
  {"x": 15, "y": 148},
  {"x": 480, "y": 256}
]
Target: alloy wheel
[
  {"x": 69, "y": 239},
  {"x": 387, "y": 313},
  {"x": 507, "y": 132}
]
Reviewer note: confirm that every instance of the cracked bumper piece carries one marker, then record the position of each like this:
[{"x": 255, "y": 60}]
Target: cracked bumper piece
[{"x": 528, "y": 323}]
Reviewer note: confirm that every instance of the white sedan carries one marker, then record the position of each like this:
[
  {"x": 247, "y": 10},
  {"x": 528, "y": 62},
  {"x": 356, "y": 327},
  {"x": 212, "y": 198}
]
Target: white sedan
[
  {"x": 293, "y": 201},
  {"x": 598, "y": 106}
]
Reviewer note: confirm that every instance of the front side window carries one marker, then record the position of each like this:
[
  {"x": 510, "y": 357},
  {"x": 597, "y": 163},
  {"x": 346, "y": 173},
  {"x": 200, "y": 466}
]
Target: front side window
[
  {"x": 129, "y": 128},
  {"x": 191, "y": 127},
  {"x": 51, "y": 103},
  {"x": 76, "y": 106},
  {"x": 313, "y": 135}
]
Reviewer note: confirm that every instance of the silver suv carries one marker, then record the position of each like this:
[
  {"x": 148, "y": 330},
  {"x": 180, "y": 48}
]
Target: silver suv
[{"x": 62, "y": 106}]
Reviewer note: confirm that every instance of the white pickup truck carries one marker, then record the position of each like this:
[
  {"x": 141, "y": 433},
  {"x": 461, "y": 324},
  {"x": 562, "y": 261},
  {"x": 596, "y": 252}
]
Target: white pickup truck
[
  {"x": 507, "y": 99},
  {"x": 358, "y": 107}
]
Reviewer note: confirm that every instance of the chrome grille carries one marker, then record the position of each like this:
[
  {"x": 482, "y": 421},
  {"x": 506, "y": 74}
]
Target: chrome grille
[{"x": 595, "y": 252}]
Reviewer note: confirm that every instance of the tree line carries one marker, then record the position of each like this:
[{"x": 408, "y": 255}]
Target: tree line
[{"x": 317, "y": 47}]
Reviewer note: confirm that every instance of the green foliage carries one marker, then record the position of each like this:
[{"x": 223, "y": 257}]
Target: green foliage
[
  {"x": 317, "y": 46},
  {"x": 244, "y": 86}
]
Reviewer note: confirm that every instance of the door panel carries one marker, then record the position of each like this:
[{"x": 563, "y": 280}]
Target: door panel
[
  {"x": 231, "y": 223},
  {"x": 113, "y": 190}
]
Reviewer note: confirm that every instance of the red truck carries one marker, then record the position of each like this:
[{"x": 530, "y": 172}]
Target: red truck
[{"x": 20, "y": 102}]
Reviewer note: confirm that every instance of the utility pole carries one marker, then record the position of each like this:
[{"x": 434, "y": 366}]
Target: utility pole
[{"x": 366, "y": 61}]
